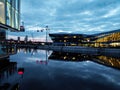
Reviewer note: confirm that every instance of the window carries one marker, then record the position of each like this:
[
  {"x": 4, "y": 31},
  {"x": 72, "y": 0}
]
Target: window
[
  {"x": 8, "y": 18},
  {"x": 13, "y": 17},
  {"x": 2, "y": 11},
  {"x": 17, "y": 4},
  {"x": 16, "y": 20}
]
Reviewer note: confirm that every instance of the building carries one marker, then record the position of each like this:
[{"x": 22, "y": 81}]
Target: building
[
  {"x": 105, "y": 39},
  {"x": 108, "y": 39},
  {"x": 69, "y": 39},
  {"x": 9, "y": 18},
  {"x": 10, "y": 14},
  {"x": 26, "y": 39},
  {"x": 18, "y": 39}
]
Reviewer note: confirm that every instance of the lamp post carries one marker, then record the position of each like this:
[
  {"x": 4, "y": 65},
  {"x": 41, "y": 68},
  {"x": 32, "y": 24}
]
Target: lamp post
[{"x": 47, "y": 29}]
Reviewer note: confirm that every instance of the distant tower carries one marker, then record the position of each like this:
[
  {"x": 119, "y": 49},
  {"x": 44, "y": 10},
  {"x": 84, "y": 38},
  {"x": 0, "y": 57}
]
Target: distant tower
[
  {"x": 26, "y": 39},
  {"x": 18, "y": 39}
]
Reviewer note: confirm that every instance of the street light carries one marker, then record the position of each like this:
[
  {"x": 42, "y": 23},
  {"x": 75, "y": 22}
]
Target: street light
[
  {"x": 47, "y": 29},
  {"x": 47, "y": 33}
]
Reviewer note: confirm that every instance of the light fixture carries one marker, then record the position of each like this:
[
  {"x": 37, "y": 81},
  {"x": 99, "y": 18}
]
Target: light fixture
[{"x": 21, "y": 71}]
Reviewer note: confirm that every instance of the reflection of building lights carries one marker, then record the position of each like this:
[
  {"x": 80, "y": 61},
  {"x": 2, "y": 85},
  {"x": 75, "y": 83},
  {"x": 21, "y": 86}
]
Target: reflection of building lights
[
  {"x": 73, "y": 58},
  {"x": 87, "y": 61},
  {"x": 18, "y": 50},
  {"x": 65, "y": 57},
  {"x": 64, "y": 40}
]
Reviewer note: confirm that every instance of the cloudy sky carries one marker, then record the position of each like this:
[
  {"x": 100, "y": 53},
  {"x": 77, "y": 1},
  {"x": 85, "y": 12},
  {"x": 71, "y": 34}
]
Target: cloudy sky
[{"x": 71, "y": 16}]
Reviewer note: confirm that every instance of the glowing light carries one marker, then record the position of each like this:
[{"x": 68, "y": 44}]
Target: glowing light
[
  {"x": 20, "y": 72},
  {"x": 65, "y": 57},
  {"x": 73, "y": 58},
  {"x": 74, "y": 36}
]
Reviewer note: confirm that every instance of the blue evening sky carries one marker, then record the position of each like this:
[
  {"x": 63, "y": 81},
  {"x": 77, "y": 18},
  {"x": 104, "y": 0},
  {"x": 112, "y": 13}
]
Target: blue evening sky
[{"x": 71, "y": 16}]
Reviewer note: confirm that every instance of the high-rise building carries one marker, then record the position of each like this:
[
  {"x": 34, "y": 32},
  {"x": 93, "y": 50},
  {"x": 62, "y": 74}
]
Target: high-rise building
[
  {"x": 9, "y": 18},
  {"x": 10, "y": 14}
]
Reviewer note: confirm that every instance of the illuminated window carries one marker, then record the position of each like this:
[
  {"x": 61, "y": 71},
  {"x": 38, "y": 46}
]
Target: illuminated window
[
  {"x": 65, "y": 37},
  {"x": 74, "y": 36},
  {"x": 73, "y": 44},
  {"x": 2, "y": 11}
]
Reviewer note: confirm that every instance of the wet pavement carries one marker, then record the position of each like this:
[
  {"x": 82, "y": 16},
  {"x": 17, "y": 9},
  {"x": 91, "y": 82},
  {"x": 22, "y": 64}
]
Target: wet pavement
[{"x": 47, "y": 70}]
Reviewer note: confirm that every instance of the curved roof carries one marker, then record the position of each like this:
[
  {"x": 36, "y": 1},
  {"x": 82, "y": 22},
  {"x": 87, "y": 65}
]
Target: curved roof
[{"x": 93, "y": 36}]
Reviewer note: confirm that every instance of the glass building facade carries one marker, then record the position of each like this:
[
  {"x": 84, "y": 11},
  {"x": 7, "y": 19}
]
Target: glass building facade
[
  {"x": 105, "y": 39},
  {"x": 9, "y": 20},
  {"x": 10, "y": 14}
]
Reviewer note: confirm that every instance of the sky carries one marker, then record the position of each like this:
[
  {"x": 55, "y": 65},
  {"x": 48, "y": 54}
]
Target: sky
[{"x": 70, "y": 16}]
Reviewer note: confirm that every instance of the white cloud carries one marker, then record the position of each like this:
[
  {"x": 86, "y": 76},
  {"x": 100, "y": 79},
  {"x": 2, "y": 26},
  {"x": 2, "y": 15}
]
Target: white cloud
[
  {"x": 87, "y": 13},
  {"x": 33, "y": 28},
  {"x": 112, "y": 12}
]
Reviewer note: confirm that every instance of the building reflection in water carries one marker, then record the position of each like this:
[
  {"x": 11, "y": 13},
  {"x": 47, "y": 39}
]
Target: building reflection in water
[
  {"x": 69, "y": 56},
  {"x": 105, "y": 60},
  {"x": 109, "y": 61},
  {"x": 8, "y": 70},
  {"x": 27, "y": 50}
]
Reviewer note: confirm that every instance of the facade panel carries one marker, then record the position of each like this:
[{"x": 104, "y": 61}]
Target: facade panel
[
  {"x": 9, "y": 14},
  {"x": 2, "y": 11}
]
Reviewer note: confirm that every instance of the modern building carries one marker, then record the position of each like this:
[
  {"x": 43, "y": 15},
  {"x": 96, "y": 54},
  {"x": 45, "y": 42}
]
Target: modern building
[
  {"x": 69, "y": 39},
  {"x": 9, "y": 18},
  {"x": 108, "y": 39},
  {"x": 10, "y": 15},
  {"x": 105, "y": 39}
]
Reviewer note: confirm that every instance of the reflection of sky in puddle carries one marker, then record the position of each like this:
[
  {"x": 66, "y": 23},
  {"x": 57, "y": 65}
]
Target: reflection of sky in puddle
[
  {"x": 84, "y": 75},
  {"x": 39, "y": 55}
]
